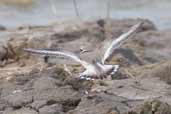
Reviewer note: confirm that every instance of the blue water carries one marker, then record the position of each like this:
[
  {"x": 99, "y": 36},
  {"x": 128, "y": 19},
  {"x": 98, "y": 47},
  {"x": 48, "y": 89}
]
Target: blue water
[{"x": 45, "y": 12}]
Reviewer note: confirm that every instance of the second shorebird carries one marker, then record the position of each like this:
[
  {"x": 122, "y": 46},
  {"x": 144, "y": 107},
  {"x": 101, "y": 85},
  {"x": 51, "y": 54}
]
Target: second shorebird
[{"x": 96, "y": 69}]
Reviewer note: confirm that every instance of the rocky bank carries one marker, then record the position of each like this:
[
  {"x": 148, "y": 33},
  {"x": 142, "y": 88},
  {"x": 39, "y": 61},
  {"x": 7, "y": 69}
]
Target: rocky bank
[{"x": 29, "y": 85}]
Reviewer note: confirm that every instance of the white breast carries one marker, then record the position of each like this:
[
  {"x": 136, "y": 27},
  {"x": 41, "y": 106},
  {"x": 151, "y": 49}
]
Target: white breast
[{"x": 92, "y": 70}]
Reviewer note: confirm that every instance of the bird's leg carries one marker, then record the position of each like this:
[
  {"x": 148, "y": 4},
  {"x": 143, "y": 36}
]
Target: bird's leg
[{"x": 67, "y": 69}]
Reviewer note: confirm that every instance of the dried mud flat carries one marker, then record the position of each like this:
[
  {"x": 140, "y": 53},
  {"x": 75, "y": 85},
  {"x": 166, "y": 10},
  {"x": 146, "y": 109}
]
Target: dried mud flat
[{"x": 142, "y": 85}]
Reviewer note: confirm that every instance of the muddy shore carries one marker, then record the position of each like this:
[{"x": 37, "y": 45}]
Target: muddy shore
[{"x": 29, "y": 85}]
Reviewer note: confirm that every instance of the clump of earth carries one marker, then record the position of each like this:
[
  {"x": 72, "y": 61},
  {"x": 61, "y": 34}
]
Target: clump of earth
[{"x": 30, "y": 85}]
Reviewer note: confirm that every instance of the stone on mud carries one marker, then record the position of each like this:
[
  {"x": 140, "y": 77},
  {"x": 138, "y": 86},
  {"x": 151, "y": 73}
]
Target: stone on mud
[{"x": 152, "y": 107}]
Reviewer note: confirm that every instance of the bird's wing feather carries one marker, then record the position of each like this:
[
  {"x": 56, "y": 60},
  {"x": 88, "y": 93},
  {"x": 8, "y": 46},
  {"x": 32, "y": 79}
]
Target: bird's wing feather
[
  {"x": 69, "y": 55},
  {"x": 117, "y": 42}
]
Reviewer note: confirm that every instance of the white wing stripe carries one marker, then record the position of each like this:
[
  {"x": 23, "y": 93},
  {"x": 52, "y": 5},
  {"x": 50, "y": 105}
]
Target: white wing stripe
[
  {"x": 49, "y": 52},
  {"x": 116, "y": 43}
]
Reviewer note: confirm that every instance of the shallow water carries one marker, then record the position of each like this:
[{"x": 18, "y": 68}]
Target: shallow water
[{"x": 48, "y": 11}]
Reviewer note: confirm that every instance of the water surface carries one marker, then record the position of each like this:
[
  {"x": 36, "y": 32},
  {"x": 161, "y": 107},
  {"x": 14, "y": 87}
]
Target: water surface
[{"x": 44, "y": 12}]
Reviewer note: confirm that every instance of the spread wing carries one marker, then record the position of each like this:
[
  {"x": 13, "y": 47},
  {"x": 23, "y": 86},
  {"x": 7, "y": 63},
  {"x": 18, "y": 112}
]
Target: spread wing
[
  {"x": 119, "y": 41},
  {"x": 57, "y": 53}
]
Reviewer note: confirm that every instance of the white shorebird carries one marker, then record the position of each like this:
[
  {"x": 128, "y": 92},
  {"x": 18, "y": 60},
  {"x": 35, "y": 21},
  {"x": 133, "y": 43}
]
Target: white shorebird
[{"x": 96, "y": 69}]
